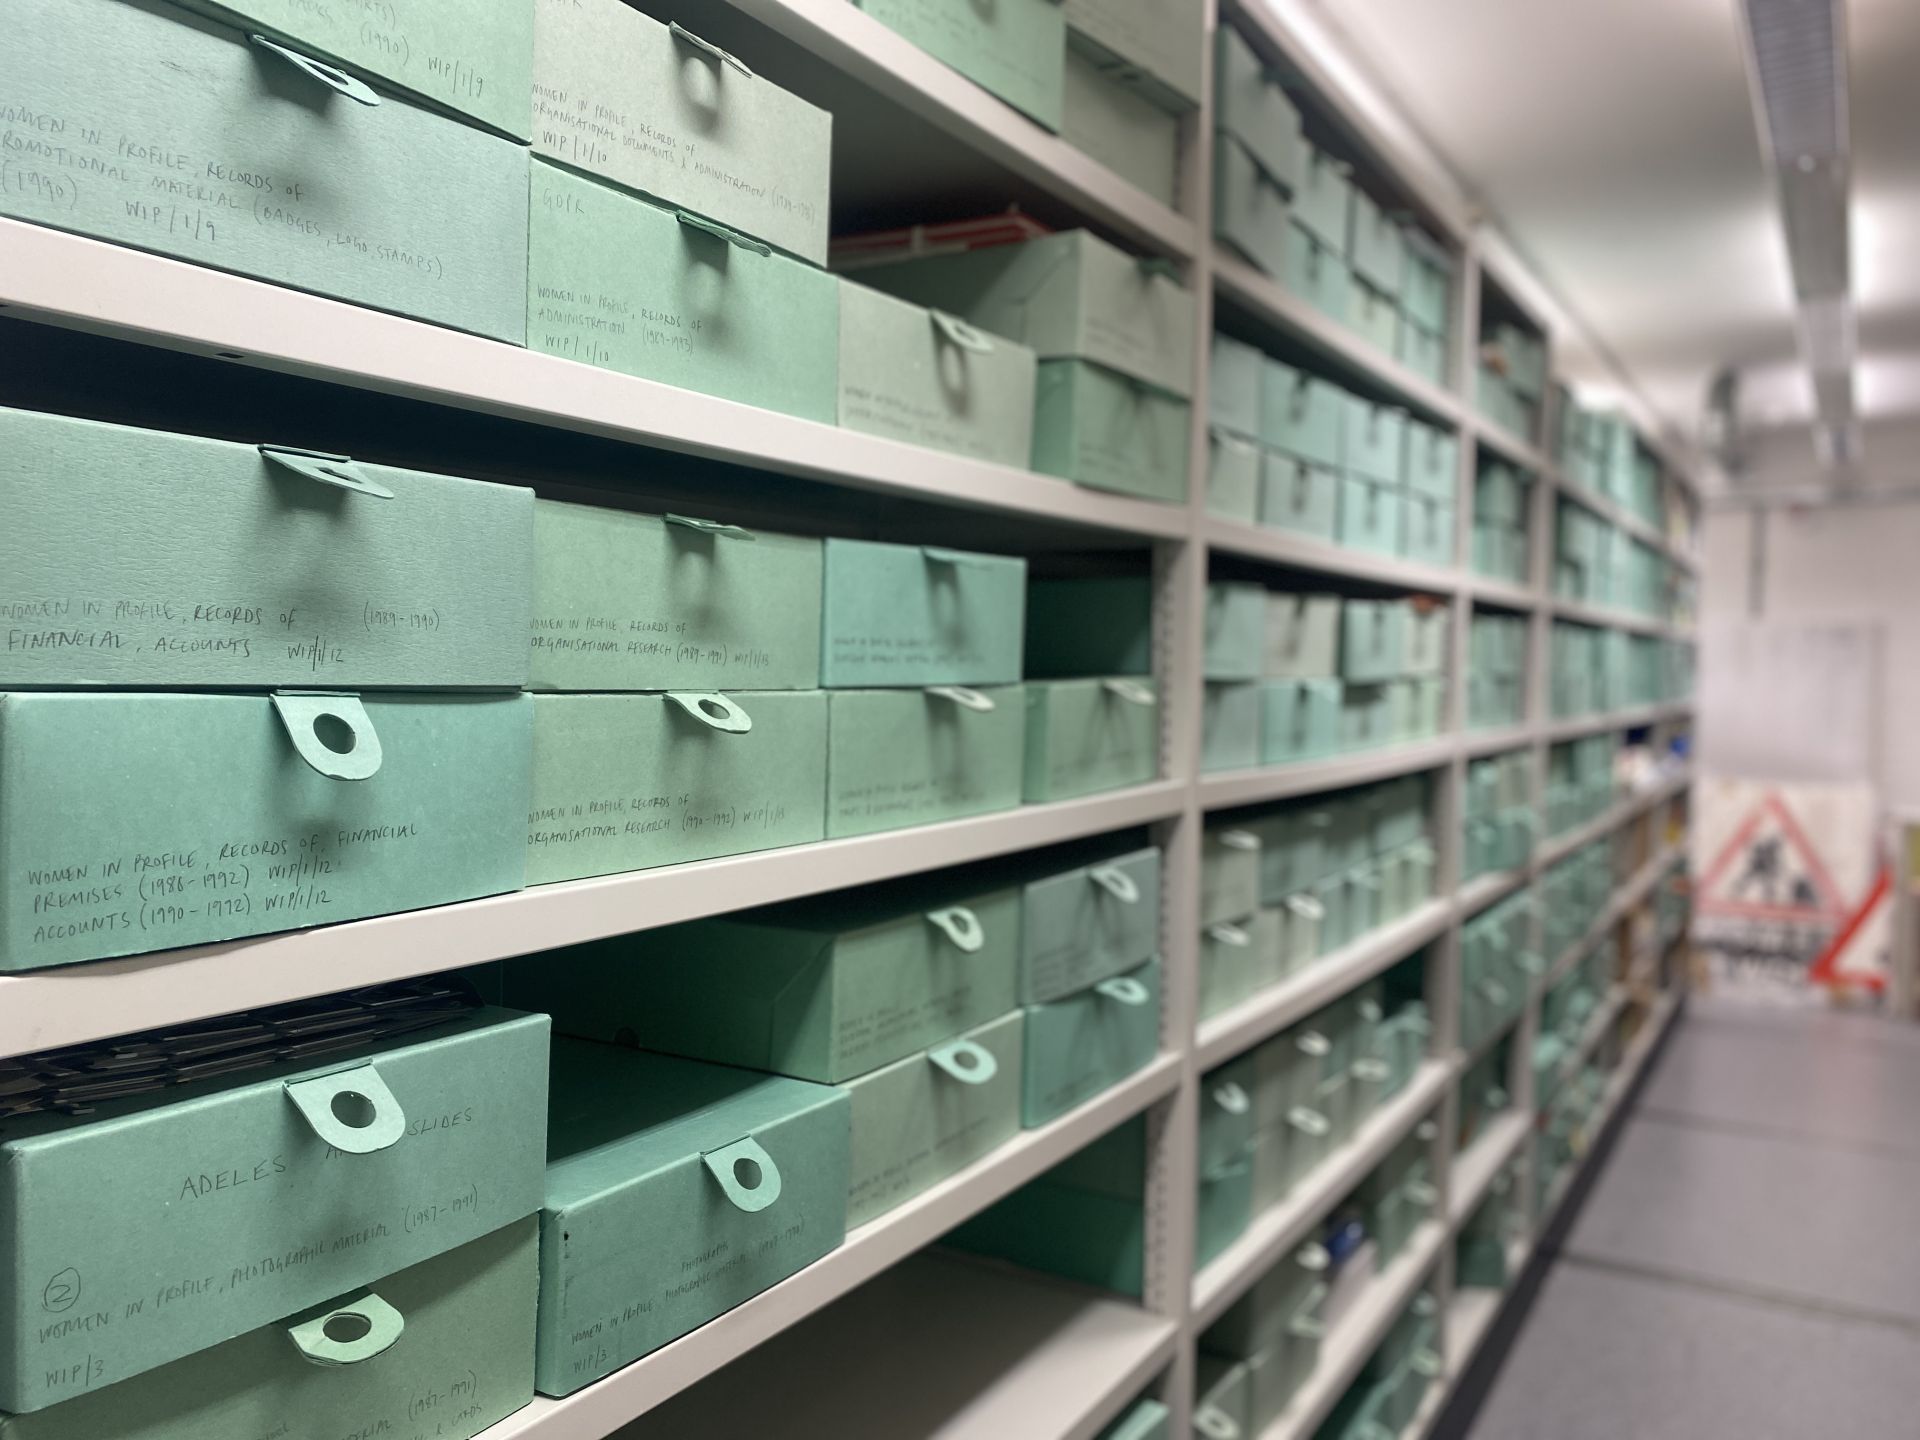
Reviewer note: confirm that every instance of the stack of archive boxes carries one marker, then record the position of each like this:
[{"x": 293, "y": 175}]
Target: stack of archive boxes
[
  {"x": 1574, "y": 893},
  {"x": 1496, "y": 670},
  {"x": 1399, "y": 1196},
  {"x": 1483, "y": 1092},
  {"x": 1093, "y": 714},
  {"x": 1598, "y": 451},
  {"x": 1257, "y": 1356},
  {"x": 1498, "y": 968},
  {"x": 1500, "y": 548},
  {"x": 1500, "y": 819},
  {"x": 1247, "y": 943},
  {"x": 1580, "y": 780},
  {"x": 1482, "y": 1256},
  {"x": 1390, "y": 1389},
  {"x": 1260, "y": 157},
  {"x": 1592, "y": 667},
  {"x": 1512, "y": 380}
]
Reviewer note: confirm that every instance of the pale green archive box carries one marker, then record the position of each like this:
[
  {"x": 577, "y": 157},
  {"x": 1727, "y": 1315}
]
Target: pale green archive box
[
  {"x": 914, "y": 757},
  {"x": 929, "y": 378},
  {"x": 627, "y": 782},
  {"x": 138, "y": 557},
  {"x": 1144, "y": 1420},
  {"x": 1249, "y": 206},
  {"x": 178, "y": 135},
  {"x": 627, "y": 285},
  {"x": 1015, "y": 49},
  {"x": 1087, "y": 922},
  {"x": 1087, "y": 736},
  {"x": 446, "y": 1343},
  {"x": 191, "y": 1215},
  {"x": 675, "y": 1190},
  {"x": 1159, "y": 45},
  {"x": 920, "y": 615},
  {"x": 1120, "y": 124},
  {"x": 822, "y": 989},
  {"x": 269, "y": 813},
  {"x": 1089, "y": 1041},
  {"x": 474, "y": 57},
  {"x": 655, "y": 108},
  {"x": 623, "y": 601},
  {"x": 1110, "y": 431}
]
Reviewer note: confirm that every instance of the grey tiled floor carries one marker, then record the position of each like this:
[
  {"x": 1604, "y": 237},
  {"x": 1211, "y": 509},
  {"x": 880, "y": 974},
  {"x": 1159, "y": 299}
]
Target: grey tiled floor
[{"x": 1747, "y": 1266}]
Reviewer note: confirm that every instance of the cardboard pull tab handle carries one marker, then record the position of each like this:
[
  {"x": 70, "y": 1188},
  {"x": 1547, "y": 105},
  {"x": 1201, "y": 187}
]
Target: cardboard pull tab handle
[
  {"x": 963, "y": 697},
  {"x": 1116, "y": 882},
  {"x": 1158, "y": 265},
  {"x": 941, "y": 555},
  {"x": 961, "y": 926},
  {"x": 958, "y": 332},
  {"x": 1312, "y": 1042},
  {"x": 1239, "y": 839},
  {"x": 710, "y": 527},
  {"x": 1306, "y": 907},
  {"x": 337, "y": 470},
  {"x": 1422, "y": 1194},
  {"x": 746, "y": 1173},
  {"x": 732, "y": 237},
  {"x": 713, "y": 710},
  {"x": 1125, "y": 989},
  {"x": 1315, "y": 1257},
  {"x": 726, "y": 57},
  {"x": 1215, "y": 1424},
  {"x": 1232, "y": 1098},
  {"x": 1428, "y": 1363},
  {"x": 1373, "y": 1072},
  {"x": 352, "y": 1110},
  {"x": 327, "y": 75},
  {"x": 1308, "y": 1122},
  {"x": 965, "y": 1061},
  {"x": 1230, "y": 935},
  {"x": 1426, "y": 1132},
  {"x": 348, "y": 1331},
  {"x": 1226, "y": 439},
  {"x": 331, "y": 732},
  {"x": 1131, "y": 691}
]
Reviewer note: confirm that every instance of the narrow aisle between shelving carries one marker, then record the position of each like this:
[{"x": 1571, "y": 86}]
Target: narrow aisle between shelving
[{"x": 1743, "y": 1267}]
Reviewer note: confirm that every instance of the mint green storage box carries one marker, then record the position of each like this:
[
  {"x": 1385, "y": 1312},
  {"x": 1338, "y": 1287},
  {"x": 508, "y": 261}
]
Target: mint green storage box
[
  {"x": 1376, "y": 441},
  {"x": 1161, "y": 45},
  {"x": 1302, "y": 414},
  {"x": 1089, "y": 736},
  {"x": 141, "y": 557},
  {"x": 1108, "y": 431},
  {"x": 1222, "y": 1209},
  {"x": 1120, "y": 125},
  {"x": 912, "y": 615},
  {"x": 1226, "y": 1114},
  {"x": 1293, "y": 851},
  {"x": 258, "y": 821},
  {"x": 1233, "y": 385},
  {"x": 1300, "y": 720},
  {"x": 1316, "y": 271},
  {"x": 927, "y": 1116},
  {"x": 1421, "y": 350},
  {"x": 1426, "y": 530},
  {"x": 190, "y": 1216},
  {"x": 1378, "y": 247},
  {"x": 623, "y": 601},
  {"x": 1235, "y": 630},
  {"x": 1220, "y": 1401},
  {"x": 1230, "y": 726},
  {"x": 1427, "y": 632},
  {"x": 1426, "y": 285},
  {"x": 1260, "y": 1321},
  {"x": 1430, "y": 466},
  {"x": 1229, "y": 873},
  {"x": 652, "y": 109},
  {"x": 1366, "y": 716},
  {"x": 822, "y": 989},
  {"x": 462, "y": 1360},
  {"x": 1298, "y": 496},
  {"x": 1372, "y": 315},
  {"x": 1238, "y": 959},
  {"x": 913, "y": 757},
  {"x": 925, "y": 378},
  {"x": 675, "y": 1190},
  {"x": 1086, "y": 1235},
  {"x": 1088, "y": 922},
  {"x": 1302, "y": 636},
  {"x": 1249, "y": 206},
  {"x": 1070, "y": 296},
  {"x": 1251, "y": 106},
  {"x": 1146, "y": 1420},
  {"x": 628, "y": 782},
  {"x": 1015, "y": 50},
  {"x": 624, "y": 284},
  {"x": 239, "y": 158},
  {"x": 1088, "y": 1042},
  {"x": 1323, "y": 203},
  {"x": 1235, "y": 477},
  {"x": 1370, "y": 515},
  {"x": 1097, "y": 626}
]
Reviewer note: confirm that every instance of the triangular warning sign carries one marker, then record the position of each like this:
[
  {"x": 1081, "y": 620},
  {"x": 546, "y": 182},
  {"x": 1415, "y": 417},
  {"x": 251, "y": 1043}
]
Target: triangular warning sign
[
  {"x": 1855, "y": 956},
  {"x": 1769, "y": 870}
]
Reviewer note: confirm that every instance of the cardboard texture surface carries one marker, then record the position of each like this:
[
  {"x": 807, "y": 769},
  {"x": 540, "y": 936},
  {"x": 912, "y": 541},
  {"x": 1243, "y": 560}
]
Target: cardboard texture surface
[
  {"x": 146, "y": 125},
  {"x": 1086, "y": 923},
  {"x": 627, "y": 782},
  {"x": 626, "y": 285},
  {"x": 1121, "y": 125},
  {"x": 1166, "y": 39},
  {"x": 1235, "y": 630},
  {"x": 913, "y": 757},
  {"x": 237, "y": 834},
  {"x": 925, "y": 1117},
  {"x": 1298, "y": 496},
  {"x": 1300, "y": 720},
  {"x": 1249, "y": 206},
  {"x": 1376, "y": 441},
  {"x": 1252, "y": 108},
  {"x": 1233, "y": 477},
  {"x": 1229, "y": 874},
  {"x": 1107, "y": 431},
  {"x": 190, "y": 1216},
  {"x": 1230, "y": 727},
  {"x": 1233, "y": 385},
  {"x": 463, "y": 1361},
  {"x": 1315, "y": 270},
  {"x": 735, "y": 1180},
  {"x": 1323, "y": 203},
  {"x": 1101, "y": 626},
  {"x": 823, "y": 989},
  {"x": 913, "y": 615},
  {"x": 1015, "y": 50},
  {"x": 1302, "y": 636},
  {"x": 1070, "y": 296},
  {"x": 137, "y": 557},
  {"x": 1088, "y": 1042},
  {"x": 621, "y": 96},
  {"x": 1086, "y": 736},
  {"x": 1302, "y": 414},
  {"x": 472, "y": 56},
  {"x": 623, "y": 601},
  {"x": 917, "y": 375}
]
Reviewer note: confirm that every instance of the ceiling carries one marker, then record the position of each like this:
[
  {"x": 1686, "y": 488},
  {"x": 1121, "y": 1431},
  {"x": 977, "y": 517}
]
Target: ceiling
[{"x": 1614, "y": 142}]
